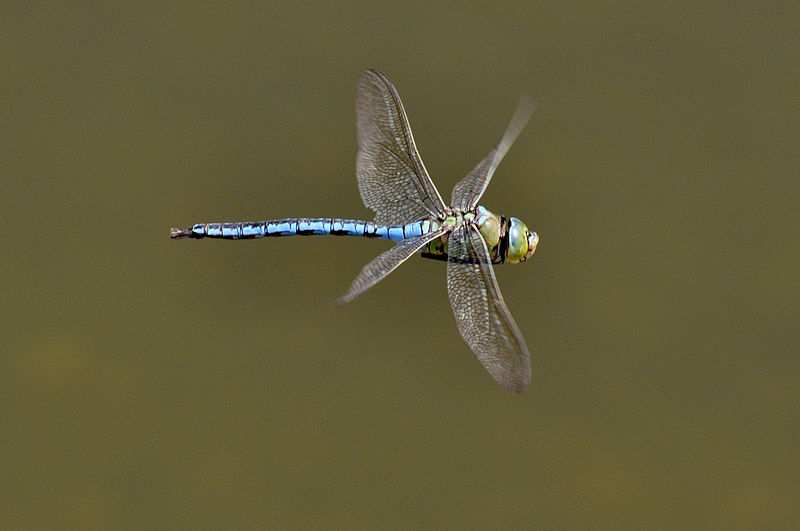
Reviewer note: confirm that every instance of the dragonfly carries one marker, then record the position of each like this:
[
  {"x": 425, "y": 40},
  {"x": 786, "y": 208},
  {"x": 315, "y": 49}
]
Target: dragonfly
[{"x": 409, "y": 211}]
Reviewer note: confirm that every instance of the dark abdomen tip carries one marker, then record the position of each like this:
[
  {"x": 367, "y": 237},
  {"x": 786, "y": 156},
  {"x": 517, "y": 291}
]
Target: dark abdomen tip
[{"x": 177, "y": 234}]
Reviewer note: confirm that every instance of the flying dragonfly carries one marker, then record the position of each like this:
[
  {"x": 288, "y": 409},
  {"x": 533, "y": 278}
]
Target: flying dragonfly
[{"x": 409, "y": 210}]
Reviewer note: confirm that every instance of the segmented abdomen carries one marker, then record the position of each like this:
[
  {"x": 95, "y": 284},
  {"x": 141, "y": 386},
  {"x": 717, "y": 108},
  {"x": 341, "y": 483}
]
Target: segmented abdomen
[{"x": 309, "y": 227}]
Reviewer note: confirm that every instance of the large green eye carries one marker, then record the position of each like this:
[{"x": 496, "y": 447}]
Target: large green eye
[{"x": 517, "y": 241}]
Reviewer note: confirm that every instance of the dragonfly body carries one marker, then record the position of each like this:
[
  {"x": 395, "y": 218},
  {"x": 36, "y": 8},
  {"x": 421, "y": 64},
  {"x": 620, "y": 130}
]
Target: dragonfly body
[
  {"x": 409, "y": 210},
  {"x": 496, "y": 230}
]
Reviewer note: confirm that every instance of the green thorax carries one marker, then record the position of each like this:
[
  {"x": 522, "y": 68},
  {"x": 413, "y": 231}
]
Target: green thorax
[{"x": 493, "y": 228}]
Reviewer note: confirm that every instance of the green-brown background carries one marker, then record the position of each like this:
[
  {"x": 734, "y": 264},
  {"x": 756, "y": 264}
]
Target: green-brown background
[{"x": 152, "y": 384}]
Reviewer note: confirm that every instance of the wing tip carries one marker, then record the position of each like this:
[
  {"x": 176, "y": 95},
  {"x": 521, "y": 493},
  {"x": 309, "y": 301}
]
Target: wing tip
[
  {"x": 514, "y": 379},
  {"x": 371, "y": 74},
  {"x": 344, "y": 299},
  {"x": 517, "y": 386}
]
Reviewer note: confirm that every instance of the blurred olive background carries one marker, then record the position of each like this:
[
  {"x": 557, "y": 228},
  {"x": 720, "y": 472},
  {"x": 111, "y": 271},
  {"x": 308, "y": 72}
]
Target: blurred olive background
[{"x": 154, "y": 384}]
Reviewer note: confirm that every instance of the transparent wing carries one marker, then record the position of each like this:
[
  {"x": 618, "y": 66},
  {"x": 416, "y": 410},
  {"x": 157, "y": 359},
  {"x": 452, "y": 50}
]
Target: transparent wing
[
  {"x": 382, "y": 265},
  {"x": 469, "y": 190},
  {"x": 481, "y": 314},
  {"x": 392, "y": 179}
]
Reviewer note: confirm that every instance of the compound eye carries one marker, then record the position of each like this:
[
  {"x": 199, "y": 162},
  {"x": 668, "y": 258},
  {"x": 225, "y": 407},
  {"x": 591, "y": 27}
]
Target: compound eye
[{"x": 517, "y": 241}]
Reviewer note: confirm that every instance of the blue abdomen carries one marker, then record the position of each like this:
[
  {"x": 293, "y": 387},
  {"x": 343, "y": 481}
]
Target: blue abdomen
[{"x": 307, "y": 227}]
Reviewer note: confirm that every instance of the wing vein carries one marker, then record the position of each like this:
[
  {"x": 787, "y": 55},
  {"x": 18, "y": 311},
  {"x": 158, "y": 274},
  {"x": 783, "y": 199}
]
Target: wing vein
[{"x": 483, "y": 319}]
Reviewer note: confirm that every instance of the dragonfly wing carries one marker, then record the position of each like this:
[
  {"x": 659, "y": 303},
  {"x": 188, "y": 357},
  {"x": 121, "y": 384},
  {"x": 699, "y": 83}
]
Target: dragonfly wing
[
  {"x": 392, "y": 179},
  {"x": 469, "y": 190},
  {"x": 382, "y": 265},
  {"x": 482, "y": 316}
]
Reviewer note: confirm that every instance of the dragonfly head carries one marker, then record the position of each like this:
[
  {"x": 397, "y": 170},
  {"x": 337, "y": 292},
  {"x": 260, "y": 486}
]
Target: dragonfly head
[{"x": 522, "y": 242}]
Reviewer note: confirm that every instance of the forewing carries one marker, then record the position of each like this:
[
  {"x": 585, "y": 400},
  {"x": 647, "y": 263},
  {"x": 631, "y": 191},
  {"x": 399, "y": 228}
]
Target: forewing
[
  {"x": 482, "y": 316},
  {"x": 469, "y": 190},
  {"x": 382, "y": 265},
  {"x": 392, "y": 179}
]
